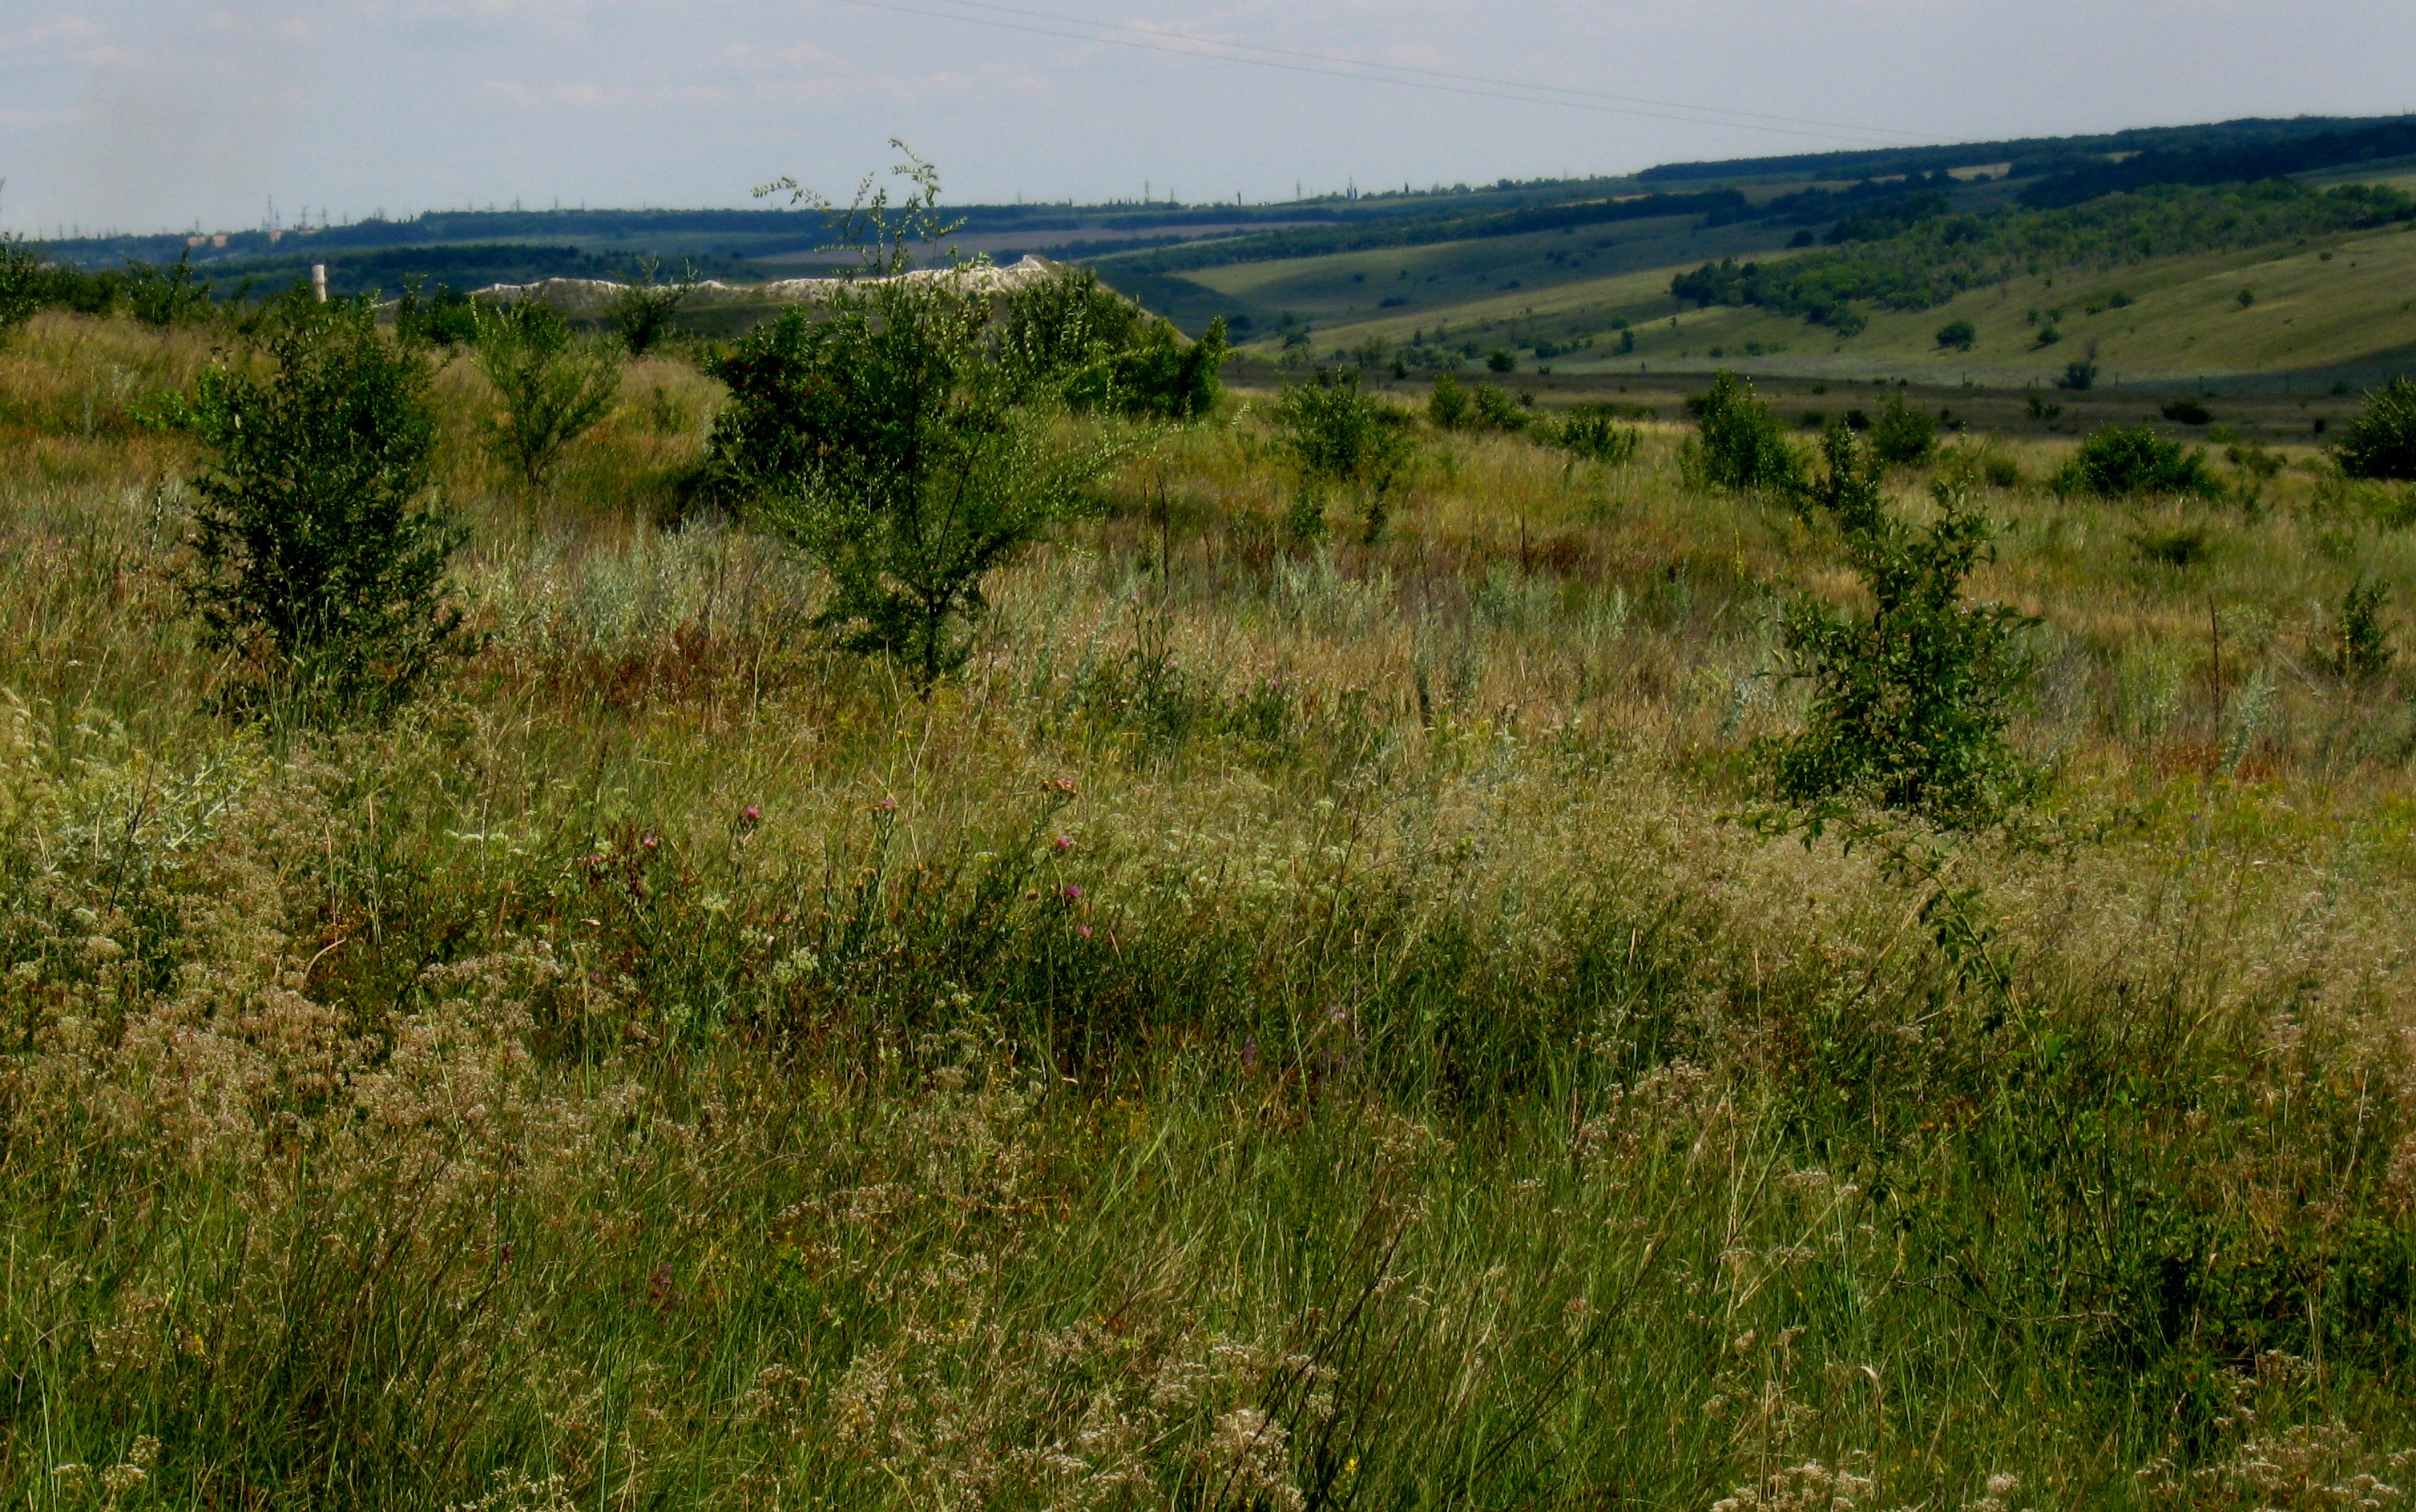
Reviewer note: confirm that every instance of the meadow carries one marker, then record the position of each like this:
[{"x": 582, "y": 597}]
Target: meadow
[{"x": 1292, "y": 1025}]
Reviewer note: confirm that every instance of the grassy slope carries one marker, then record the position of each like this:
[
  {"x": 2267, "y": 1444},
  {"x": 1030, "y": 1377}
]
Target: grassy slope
[
  {"x": 1428, "y": 1099},
  {"x": 2340, "y": 306}
]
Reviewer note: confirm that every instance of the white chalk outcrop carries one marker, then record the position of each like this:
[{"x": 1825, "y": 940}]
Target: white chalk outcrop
[{"x": 589, "y": 297}]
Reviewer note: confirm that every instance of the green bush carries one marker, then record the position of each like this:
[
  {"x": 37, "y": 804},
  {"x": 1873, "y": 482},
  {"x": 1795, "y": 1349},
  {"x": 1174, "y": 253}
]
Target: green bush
[
  {"x": 1099, "y": 351},
  {"x": 1593, "y": 432},
  {"x": 1339, "y": 434},
  {"x": 1500, "y": 359},
  {"x": 2360, "y": 645},
  {"x": 642, "y": 311},
  {"x": 311, "y": 544},
  {"x": 549, "y": 388},
  {"x": 1497, "y": 409},
  {"x": 1903, "y": 436},
  {"x": 1448, "y": 407},
  {"x": 2124, "y": 463},
  {"x": 446, "y": 319},
  {"x": 889, "y": 439},
  {"x": 165, "y": 296},
  {"x": 20, "y": 283},
  {"x": 1959, "y": 335},
  {"x": 2381, "y": 442},
  {"x": 1738, "y": 443},
  {"x": 1910, "y": 697}
]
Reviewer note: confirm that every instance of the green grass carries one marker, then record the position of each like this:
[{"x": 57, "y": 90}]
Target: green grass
[
  {"x": 2335, "y": 307},
  {"x": 1405, "y": 1086}
]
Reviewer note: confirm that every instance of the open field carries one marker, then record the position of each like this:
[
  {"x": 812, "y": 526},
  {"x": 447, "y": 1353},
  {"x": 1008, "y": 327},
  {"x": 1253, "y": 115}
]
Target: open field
[{"x": 1294, "y": 1025}]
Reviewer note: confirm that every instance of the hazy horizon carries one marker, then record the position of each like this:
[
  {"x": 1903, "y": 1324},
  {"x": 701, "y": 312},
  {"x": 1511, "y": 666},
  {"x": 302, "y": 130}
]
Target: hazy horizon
[{"x": 138, "y": 116}]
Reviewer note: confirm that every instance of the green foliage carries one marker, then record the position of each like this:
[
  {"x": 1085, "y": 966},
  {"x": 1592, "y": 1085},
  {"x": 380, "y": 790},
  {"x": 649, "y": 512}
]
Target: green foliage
[
  {"x": 1339, "y": 434},
  {"x": 1959, "y": 335},
  {"x": 2136, "y": 463},
  {"x": 1591, "y": 433},
  {"x": 2380, "y": 443},
  {"x": 2187, "y": 411},
  {"x": 1500, "y": 359},
  {"x": 312, "y": 542},
  {"x": 643, "y": 310},
  {"x": 905, "y": 450},
  {"x": 1448, "y": 407},
  {"x": 550, "y": 387},
  {"x": 1102, "y": 352},
  {"x": 1903, "y": 435},
  {"x": 2360, "y": 647},
  {"x": 446, "y": 320},
  {"x": 164, "y": 297},
  {"x": 2080, "y": 375},
  {"x": 21, "y": 282},
  {"x": 1738, "y": 443},
  {"x": 1910, "y": 698}
]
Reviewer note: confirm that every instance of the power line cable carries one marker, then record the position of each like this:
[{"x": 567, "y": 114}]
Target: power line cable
[
  {"x": 1197, "y": 50},
  {"x": 1436, "y": 73}
]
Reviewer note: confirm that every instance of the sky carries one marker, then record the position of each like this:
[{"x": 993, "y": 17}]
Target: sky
[{"x": 181, "y": 115}]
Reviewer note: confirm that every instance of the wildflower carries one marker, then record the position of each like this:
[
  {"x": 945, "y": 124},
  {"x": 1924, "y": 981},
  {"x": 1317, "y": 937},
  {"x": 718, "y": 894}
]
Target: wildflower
[
  {"x": 651, "y": 841},
  {"x": 1063, "y": 843},
  {"x": 887, "y": 805},
  {"x": 1064, "y": 785},
  {"x": 1073, "y": 893},
  {"x": 750, "y": 814},
  {"x": 1082, "y": 929}
]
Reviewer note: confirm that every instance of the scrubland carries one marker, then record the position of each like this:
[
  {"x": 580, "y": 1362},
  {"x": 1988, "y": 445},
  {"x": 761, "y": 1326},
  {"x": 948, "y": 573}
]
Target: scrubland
[{"x": 1290, "y": 1026}]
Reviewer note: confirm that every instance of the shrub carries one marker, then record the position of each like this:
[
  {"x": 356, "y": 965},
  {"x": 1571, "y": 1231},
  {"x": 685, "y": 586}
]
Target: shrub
[
  {"x": 448, "y": 319},
  {"x": 2360, "y": 645},
  {"x": 1959, "y": 335},
  {"x": 1098, "y": 351},
  {"x": 20, "y": 283},
  {"x": 2080, "y": 375},
  {"x": 1903, "y": 436},
  {"x": 550, "y": 389},
  {"x": 2122, "y": 463},
  {"x": 2187, "y": 411},
  {"x": 1911, "y": 698},
  {"x": 165, "y": 296},
  {"x": 1338, "y": 433},
  {"x": 1738, "y": 443},
  {"x": 1593, "y": 432},
  {"x": 899, "y": 442},
  {"x": 1497, "y": 409},
  {"x": 1447, "y": 407},
  {"x": 2380, "y": 443},
  {"x": 310, "y": 541},
  {"x": 642, "y": 311},
  {"x": 1500, "y": 359}
]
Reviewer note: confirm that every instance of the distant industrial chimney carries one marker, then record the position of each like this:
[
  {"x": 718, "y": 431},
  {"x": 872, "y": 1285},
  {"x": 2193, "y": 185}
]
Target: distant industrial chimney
[{"x": 319, "y": 280}]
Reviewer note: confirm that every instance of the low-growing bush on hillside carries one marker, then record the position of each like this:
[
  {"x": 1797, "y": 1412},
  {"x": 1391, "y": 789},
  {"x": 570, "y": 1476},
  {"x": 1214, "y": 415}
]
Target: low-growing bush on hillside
[
  {"x": 2359, "y": 647},
  {"x": 313, "y": 546},
  {"x": 642, "y": 311},
  {"x": 551, "y": 387},
  {"x": 1910, "y": 697},
  {"x": 1738, "y": 443},
  {"x": 2136, "y": 463},
  {"x": 1959, "y": 335},
  {"x": 164, "y": 297},
  {"x": 2380, "y": 443},
  {"x": 446, "y": 319}
]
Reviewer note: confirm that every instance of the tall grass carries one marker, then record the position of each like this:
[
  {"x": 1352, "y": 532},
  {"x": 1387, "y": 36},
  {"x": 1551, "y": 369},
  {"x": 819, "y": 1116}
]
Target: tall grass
[{"x": 1287, "y": 1028}]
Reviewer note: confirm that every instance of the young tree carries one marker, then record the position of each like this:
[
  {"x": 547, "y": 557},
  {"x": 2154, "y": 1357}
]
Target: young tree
[
  {"x": 549, "y": 388},
  {"x": 642, "y": 311},
  {"x": 1911, "y": 697},
  {"x": 1903, "y": 436},
  {"x": 899, "y": 443},
  {"x": 1738, "y": 443},
  {"x": 1959, "y": 335},
  {"x": 312, "y": 545},
  {"x": 1339, "y": 434},
  {"x": 2121, "y": 463}
]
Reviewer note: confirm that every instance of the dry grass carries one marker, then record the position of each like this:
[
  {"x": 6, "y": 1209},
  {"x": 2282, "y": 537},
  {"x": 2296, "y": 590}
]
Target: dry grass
[{"x": 1288, "y": 1028}]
